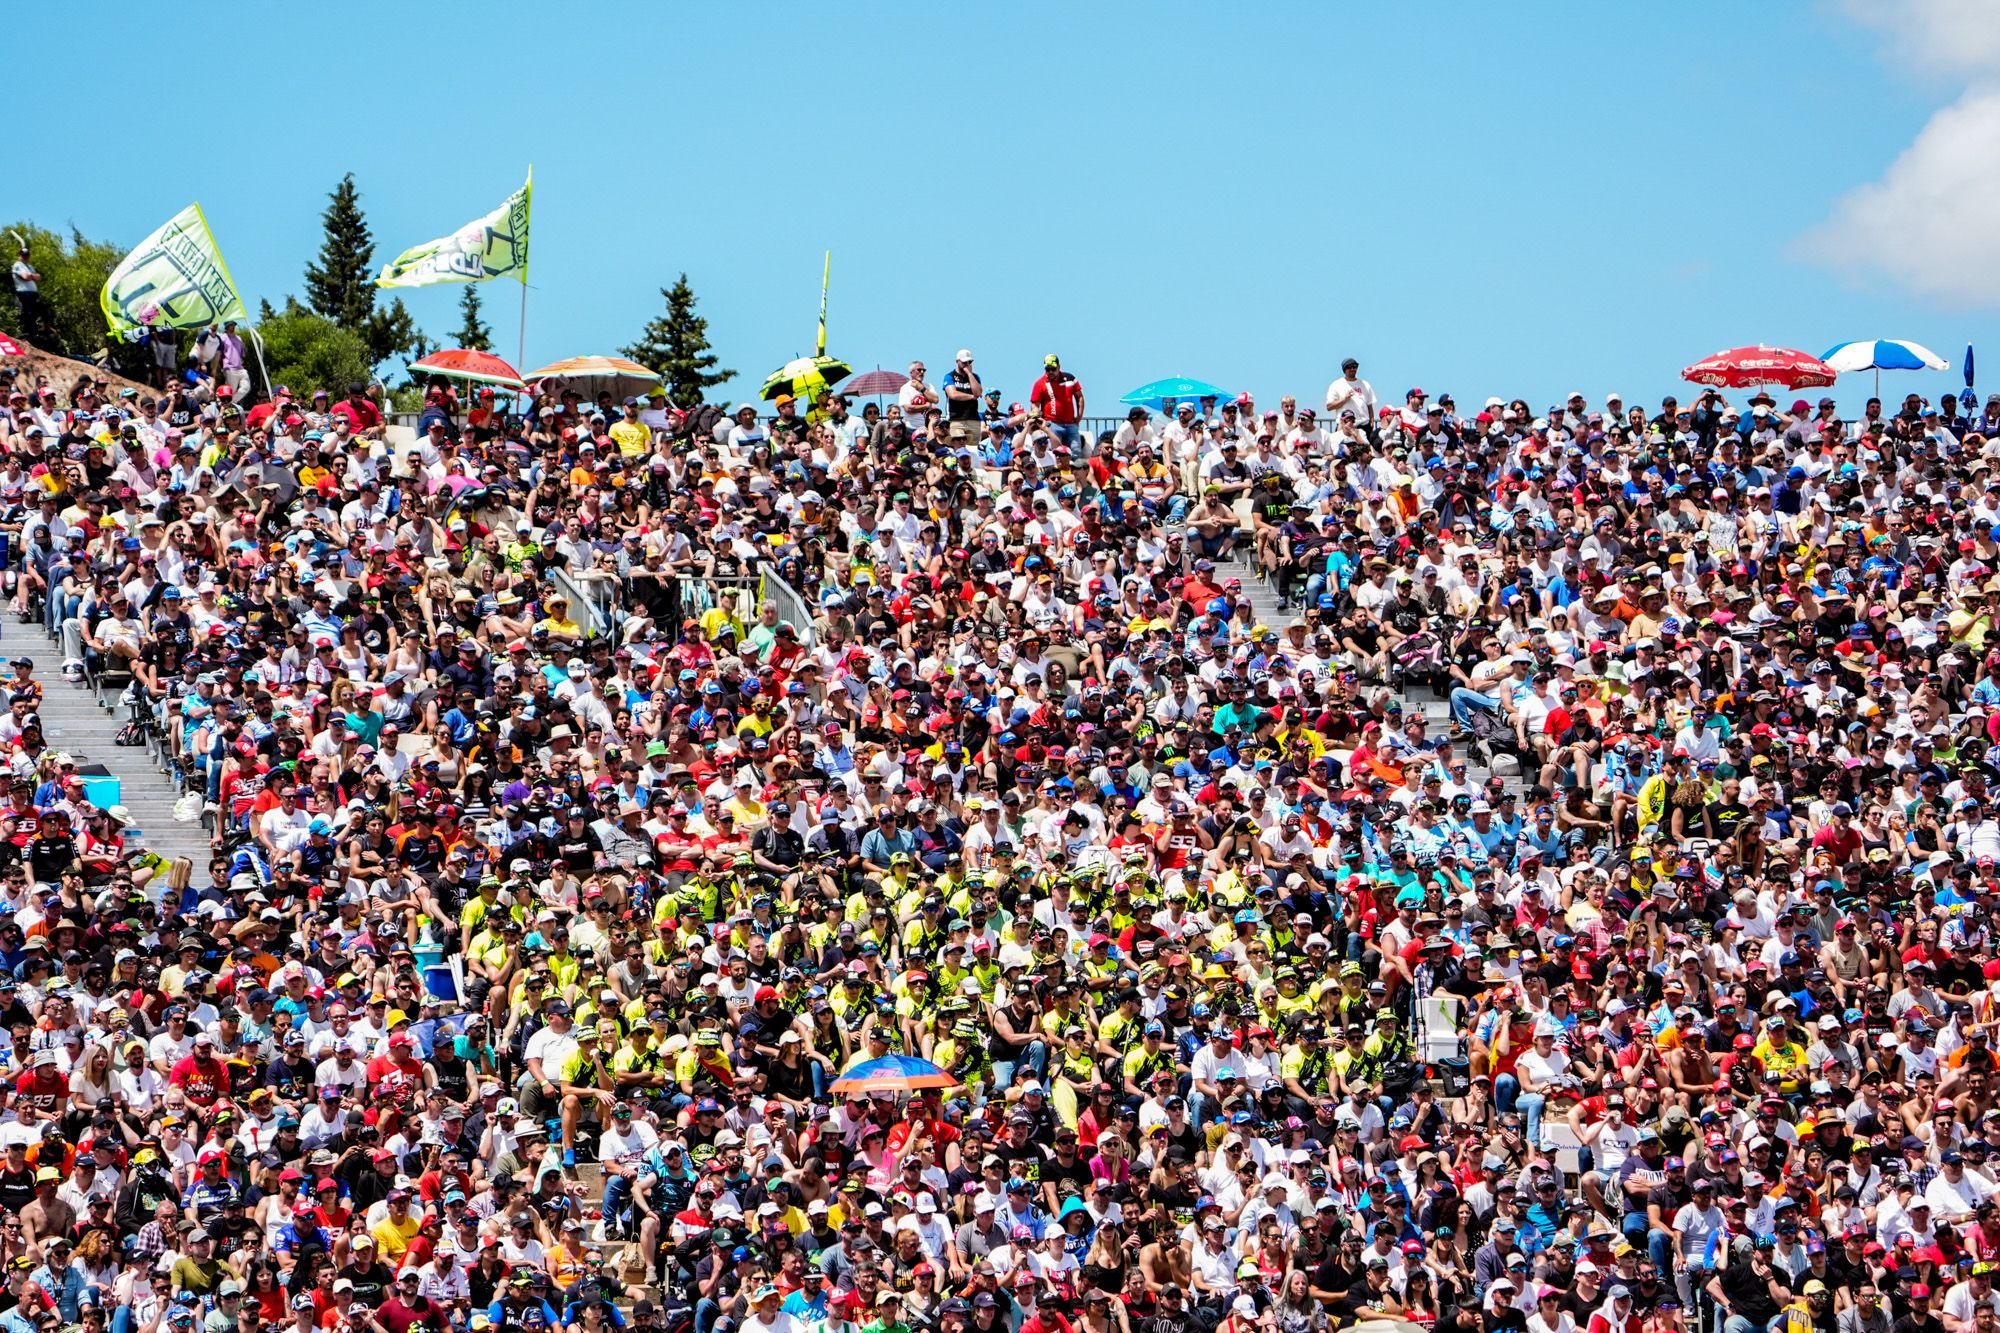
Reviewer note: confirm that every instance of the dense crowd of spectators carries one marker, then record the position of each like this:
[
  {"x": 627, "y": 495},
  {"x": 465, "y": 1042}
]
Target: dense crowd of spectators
[{"x": 1654, "y": 990}]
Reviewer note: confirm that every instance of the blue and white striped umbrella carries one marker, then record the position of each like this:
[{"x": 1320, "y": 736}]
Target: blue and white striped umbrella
[{"x": 1882, "y": 354}]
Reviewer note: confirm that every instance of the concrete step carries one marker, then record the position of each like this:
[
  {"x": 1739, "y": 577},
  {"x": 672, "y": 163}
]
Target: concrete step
[{"x": 82, "y": 724}]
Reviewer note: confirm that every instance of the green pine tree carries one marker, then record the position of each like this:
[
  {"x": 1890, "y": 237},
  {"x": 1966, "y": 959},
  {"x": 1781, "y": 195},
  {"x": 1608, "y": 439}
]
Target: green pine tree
[
  {"x": 391, "y": 332},
  {"x": 676, "y": 345},
  {"x": 474, "y": 332},
  {"x": 340, "y": 285}
]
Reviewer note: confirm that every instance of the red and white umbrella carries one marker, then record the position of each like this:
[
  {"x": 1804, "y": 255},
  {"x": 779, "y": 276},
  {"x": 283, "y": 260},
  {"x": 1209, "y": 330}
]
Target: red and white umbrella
[
  {"x": 8, "y": 347},
  {"x": 877, "y": 381},
  {"x": 464, "y": 364},
  {"x": 1741, "y": 367}
]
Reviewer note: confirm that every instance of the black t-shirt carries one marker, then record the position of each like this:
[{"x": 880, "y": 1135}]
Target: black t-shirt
[
  {"x": 1028, "y": 1161},
  {"x": 1407, "y": 614},
  {"x": 1071, "y": 1179},
  {"x": 17, "y": 1188},
  {"x": 49, "y": 856},
  {"x": 784, "y": 846},
  {"x": 1727, "y": 817},
  {"x": 1335, "y": 1276},
  {"x": 1749, "y": 1293},
  {"x": 370, "y": 1281},
  {"x": 1911, "y": 1323},
  {"x": 1347, "y": 1309}
]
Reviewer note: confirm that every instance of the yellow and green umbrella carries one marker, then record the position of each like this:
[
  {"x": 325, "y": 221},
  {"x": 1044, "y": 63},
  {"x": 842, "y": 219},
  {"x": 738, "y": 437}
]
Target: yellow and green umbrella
[{"x": 806, "y": 378}]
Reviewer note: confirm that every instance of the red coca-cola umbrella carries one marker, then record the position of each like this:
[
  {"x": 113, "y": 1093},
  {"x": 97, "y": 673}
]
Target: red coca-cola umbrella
[{"x": 1741, "y": 367}]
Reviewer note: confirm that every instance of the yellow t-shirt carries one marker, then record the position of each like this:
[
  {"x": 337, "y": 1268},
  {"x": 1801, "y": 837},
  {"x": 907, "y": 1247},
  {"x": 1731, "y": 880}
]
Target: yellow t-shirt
[
  {"x": 632, "y": 438},
  {"x": 561, "y": 626},
  {"x": 392, "y": 1238}
]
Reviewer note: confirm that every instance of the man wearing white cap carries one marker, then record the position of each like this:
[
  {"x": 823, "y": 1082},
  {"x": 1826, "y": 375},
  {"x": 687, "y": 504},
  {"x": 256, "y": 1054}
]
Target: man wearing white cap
[{"x": 962, "y": 390}]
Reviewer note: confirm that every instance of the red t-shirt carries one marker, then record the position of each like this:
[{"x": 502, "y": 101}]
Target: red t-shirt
[
  {"x": 202, "y": 1080},
  {"x": 1845, "y": 845},
  {"x": 1061, "y": 402},
  {"x": 47, "y": 1097},
  {"x": 363, "y": 415}
]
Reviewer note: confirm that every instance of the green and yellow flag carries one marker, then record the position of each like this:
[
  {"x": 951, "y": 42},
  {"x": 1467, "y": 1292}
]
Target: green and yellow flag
[
  {"x": 494, "y": 246},
  {"x": 175, "y": 279}
]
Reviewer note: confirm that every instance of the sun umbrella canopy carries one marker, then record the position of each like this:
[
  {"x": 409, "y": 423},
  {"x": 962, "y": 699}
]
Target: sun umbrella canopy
[
  {"x": 893, "y": 1074},
  {"x": 876, "y": 381},
  {"x": 1176, "y": 387},
  {"x": 1741, "y": 367},
  {"x": 806, "y": 378},
  {"x": 600, "y": 374},
  {"x": 1882, "y": 354},
  {"x": 462, "y": 363}
]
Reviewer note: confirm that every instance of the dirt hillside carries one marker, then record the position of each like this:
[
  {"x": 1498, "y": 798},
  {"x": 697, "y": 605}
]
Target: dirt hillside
[{"x": 39, "y": 367}]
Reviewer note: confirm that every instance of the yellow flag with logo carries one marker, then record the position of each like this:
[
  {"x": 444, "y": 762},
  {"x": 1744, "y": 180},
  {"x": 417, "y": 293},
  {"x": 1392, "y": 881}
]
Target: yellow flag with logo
[
  {"x": 175, "y": 279},
  {"x": 493, "y": 246}
]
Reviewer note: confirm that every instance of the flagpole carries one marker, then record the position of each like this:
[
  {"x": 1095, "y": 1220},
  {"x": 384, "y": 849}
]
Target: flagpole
[
  {"x": 521, "y": 346},
  {"x": 826, "y": 273},
  {"x": 257, "y": 346}
]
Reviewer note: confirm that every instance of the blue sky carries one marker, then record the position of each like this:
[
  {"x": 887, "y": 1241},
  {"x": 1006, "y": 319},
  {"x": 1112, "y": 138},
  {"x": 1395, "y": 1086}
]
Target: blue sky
[{"x": 1480, "y": 198}]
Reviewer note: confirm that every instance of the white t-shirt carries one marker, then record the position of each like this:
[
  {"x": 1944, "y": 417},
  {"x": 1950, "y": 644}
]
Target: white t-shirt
[
  {"x": 629, "y": 1147},
  {"x": 1543, "y": 1070},
  {"x": 553, "y": 1049}
]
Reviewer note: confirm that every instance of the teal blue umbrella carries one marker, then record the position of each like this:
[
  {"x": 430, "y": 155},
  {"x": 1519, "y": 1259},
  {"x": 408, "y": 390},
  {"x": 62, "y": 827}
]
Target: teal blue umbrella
[{"x": 1176, "y": 387}]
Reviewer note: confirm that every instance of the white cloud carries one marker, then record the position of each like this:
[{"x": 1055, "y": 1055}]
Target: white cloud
[
  {"x": 1934, "y": 38},
  {"x": 1927, "y": 222}
]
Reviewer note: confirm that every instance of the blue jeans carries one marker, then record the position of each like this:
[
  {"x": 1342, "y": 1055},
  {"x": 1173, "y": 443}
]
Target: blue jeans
[
  {"x": 1034, "y": 1060},
  {"x": 1463, "y": 701},
  {"x": 617, "y": 1198},
  {"x": 1531, "y": 1104},
  {"x": 1736, "y": 1323},
  {"x": 1660, "y": 1249},
  {"x": 1508, "y": 1097},
  {"x": 1069, "y": 434}
]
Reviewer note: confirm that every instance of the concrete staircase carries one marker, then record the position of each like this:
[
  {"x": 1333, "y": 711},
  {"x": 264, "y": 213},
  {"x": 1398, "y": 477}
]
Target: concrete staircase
[
  {"x": 77, "y": 721},
  {"x": 1263, "y": 595}
]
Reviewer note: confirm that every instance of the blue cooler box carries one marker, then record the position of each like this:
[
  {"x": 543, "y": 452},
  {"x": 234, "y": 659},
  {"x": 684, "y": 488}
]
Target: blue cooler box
[{"x": 104, "y": 792}]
